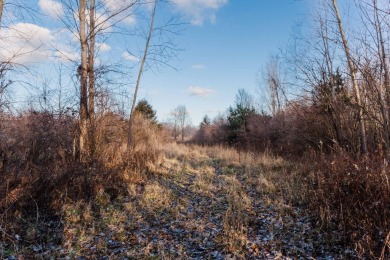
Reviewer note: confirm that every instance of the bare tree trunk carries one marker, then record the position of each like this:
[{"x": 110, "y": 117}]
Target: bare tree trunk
[
  {"x": 275, "y": 97},
  {"x": 91, "y": 78},
  {"x": 129, "y": 137},
  {"x": 182, "y": 115},
  {"x": 84, "y": 154},
  {"x": 176, "y": 131},
  {"x": 352, "y": 69},
  {"x": 273, "y": 80},
  {"x": 333, "y": 112},
  {"x": 384, "y": 91},
  {"x": 1, "y": 11}
]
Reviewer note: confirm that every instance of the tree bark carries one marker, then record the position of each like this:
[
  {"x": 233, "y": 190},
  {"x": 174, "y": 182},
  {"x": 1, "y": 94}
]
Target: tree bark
[
  {"x": 1, "y": 11},
  {"x": 83, "y": 146},
  {"x": 182, "y": 134},
  {"x": 91, "y": 77},
  {"x": 352, "y": 70},
  {"x": 129, "y": 137}
]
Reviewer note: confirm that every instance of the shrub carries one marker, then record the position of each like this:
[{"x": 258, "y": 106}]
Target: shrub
[{"x": 352, "y": 196}]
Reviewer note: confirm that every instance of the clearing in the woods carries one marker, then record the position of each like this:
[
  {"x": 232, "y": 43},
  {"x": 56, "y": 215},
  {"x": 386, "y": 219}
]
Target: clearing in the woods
[{"x": 204, "y": 203}]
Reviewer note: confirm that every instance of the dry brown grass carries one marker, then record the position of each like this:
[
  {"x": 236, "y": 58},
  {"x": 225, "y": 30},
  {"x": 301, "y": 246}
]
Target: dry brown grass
[
  {"x": 227, "y": 156},
  {"x": 270, "y": 175},
  {"x": 353, "y": 196},
  {"x": 42, "y": 179},
  {"x": 347, "y": 197},
  {"x": 156, "y": 197},
  {"x": 342, "y": 193},
  {"x": 233, "y": 157},
  {"x": 235, "y": 219},
  {"x": 204, "y": 181}
]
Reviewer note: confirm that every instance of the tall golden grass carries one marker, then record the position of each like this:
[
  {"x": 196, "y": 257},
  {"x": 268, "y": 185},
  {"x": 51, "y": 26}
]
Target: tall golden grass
[
  {"x": 353, "y": 196},
  {"x": 342, "y": 194}
]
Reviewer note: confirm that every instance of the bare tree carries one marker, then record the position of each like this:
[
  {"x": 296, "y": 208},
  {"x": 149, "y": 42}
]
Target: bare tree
[
  {"x": 141, "y": 69},
  {"x": 83, "y": 74},
  {"x": 4, "y": 84},
  {"x": 159, "y": 51},
  {"x": 173, "y": 122},
  {"x": 371, "y": 16},
  {"x": 1, "y": 11},
  {"x": 184, "y": 118},
  {"x": 91, "y": 76},
  {"x": 329, "y": 89},
  {"x": 271, "y": 85},
  {"x": 384, "y": 91},
  {"x": 381, "y": 45},
  {"x": 353, "y": 71},
  {"x": 87, "y": 25},
  {"x": 180, "y": 119},
  {"x": 244, "y": 99}
]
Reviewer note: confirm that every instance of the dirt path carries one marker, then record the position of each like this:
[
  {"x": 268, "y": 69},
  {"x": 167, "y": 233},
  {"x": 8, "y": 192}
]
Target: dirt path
[{"x": 200, "y": 208}]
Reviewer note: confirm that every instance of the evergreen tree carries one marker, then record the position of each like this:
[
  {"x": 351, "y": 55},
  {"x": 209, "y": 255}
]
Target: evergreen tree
[
  {"x": 238, "y": 120},
  {"x": 238, "y": 115},
  {"x": 205, "y": 121},
  {"x": 146, "y": 110}
]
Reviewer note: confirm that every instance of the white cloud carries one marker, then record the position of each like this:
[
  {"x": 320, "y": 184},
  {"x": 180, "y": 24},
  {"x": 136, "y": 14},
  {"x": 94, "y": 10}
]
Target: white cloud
[
  {"x": 102, "y": 21},
  {"x": 200, "y": 91},
  {"x": 127, "y": 56},
  {"x": 103, "y": 47},
  {"x": 198, "y": 67},
  {"x": 123, "y": 9},
  {"x": 199, "y": 10},
  {"x": 25, "y": 43},
  {"x": 118, "y": 5},
  {"x": 130, "y": 20},
  {"x": 65, "y": 46},
  {"x": 52, "y": 8},
  {"x": 66, "y": 56},
  {"x": 68, "y": 53}
]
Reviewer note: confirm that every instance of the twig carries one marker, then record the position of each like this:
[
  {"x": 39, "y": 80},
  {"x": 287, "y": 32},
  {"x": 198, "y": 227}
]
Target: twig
[
  {"x": 36, "y": 205},
  {"x": 387, "y": 244}
]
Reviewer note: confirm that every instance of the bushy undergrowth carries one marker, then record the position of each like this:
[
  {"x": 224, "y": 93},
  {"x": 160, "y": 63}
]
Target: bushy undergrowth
[
  {"x": 42, "y": 179},
  {"x": 41, "y": 175},
  {"x": 352, "y": 196},
  {"x": 347, "y": 191},
  {"x": 348, "y": 198}
]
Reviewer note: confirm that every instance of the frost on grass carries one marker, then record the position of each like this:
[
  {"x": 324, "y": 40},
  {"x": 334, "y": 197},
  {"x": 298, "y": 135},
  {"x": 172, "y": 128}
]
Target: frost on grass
[{"x": 199, "y": 203}]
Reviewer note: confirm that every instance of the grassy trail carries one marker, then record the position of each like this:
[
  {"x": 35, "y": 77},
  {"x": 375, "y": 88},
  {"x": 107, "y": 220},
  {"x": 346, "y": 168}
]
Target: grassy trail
[{"x": 202, "y": 203}]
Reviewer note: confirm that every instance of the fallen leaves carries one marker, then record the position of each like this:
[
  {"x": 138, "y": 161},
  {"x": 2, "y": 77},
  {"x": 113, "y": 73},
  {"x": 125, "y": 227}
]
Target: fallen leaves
[{"x": 198, "y": 209}]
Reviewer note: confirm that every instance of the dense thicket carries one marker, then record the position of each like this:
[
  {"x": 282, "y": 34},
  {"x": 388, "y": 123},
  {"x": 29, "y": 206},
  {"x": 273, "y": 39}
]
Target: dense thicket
[{"x": 40, "y": 170}]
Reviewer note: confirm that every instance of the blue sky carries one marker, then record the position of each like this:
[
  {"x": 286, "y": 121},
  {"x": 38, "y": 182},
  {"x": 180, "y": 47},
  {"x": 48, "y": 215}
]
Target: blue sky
[
  {"x": 224, "y": 45},
  {"x": 224, "y": 56}
]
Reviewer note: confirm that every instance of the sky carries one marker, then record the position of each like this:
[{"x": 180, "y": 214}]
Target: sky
[
  {"x": 224, "y": 55},
  {"x": 222, "y": 47}
]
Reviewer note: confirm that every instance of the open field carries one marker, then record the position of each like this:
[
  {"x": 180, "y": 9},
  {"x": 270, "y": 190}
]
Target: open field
[
  {"x": 201, "y": 202},
  {"x": 268, "y": 138}
]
